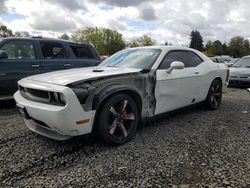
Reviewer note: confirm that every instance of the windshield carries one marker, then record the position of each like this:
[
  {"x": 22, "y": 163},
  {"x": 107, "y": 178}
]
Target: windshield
[
  {"x": 243, "y": 62},
  {"x": 133, "y": 58}
]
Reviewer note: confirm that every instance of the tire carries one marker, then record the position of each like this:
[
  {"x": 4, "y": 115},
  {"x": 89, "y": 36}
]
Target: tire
[
  {"x": 214, "y": 96},
  {"x": 117, "y": 119}
]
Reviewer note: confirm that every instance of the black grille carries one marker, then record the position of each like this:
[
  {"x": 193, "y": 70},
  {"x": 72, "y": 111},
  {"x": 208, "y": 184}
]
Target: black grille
[
  {"x": 41, "y": 96},
  {"x": 34, "y": 94}
]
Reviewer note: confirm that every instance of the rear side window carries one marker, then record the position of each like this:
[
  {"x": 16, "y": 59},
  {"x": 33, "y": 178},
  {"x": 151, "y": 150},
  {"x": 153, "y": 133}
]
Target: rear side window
[
  {"x": 82, "y": 52},
  {"x": 19, "y": 50},
  {"x": 190, "y": 59},
  {"x": 53, "y": 50}
]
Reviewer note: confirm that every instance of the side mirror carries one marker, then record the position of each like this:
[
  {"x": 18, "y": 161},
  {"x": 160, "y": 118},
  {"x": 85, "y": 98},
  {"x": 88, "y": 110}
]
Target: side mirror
[
  {"x": 175, "y": 65},
  {"x": 3, "y": 54}
]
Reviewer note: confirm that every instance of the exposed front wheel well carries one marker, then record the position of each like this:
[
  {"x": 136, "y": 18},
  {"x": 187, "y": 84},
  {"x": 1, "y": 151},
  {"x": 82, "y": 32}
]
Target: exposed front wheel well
[
  {"x": 131, "y": 93},
  {"x": 219, "y": 78}
]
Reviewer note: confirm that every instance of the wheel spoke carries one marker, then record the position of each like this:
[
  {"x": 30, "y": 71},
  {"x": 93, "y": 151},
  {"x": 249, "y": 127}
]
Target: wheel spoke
[
  {"x": 212, "y": 89},
  {"x": 216, "y": 94},
  {"x": 125, "y": 132},
  {"x": 217, "y": 88},
  {"x": 113, "y": 127},
  {"x": 215, "y": 101},
  {"x": 212, "y": 98},
  {"x": 124, "y": 105},
  {"x": 112, "y": 109},
  {"x": 129, "y": 116}
]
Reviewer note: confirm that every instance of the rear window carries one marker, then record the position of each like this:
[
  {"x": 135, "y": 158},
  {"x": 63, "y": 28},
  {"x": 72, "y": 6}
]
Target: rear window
[{"x": 82, "y": 52}]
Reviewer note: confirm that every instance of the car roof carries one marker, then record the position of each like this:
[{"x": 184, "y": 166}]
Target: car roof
[
  {"x": 169, "y": 48},
  {"x": 247, "y": 56},
  {"x": 41, "y": 39},
  {"x": 164, "y": 47}
]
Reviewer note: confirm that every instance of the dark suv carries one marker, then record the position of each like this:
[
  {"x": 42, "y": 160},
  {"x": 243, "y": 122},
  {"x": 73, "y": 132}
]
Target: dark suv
[{"x": 22, "y": 57}]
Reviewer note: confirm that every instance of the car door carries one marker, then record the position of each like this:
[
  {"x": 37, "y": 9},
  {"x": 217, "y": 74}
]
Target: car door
[
  {"x": 54, "y": 56},
  {"x": 21, "y": 62},
  {"x": 180, "y": 87}
]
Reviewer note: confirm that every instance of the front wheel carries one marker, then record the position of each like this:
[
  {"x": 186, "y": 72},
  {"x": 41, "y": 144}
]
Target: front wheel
[
  {"x": 117, "y": 119},
  {"x": 214, "y": 96}
]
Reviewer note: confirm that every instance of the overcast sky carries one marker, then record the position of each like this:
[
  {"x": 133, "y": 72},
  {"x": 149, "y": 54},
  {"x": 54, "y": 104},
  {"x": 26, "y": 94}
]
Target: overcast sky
[{"x": 163, "y": 20}]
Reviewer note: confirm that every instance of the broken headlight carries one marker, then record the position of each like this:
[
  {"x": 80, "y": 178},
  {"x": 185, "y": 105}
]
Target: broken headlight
[{"x": 81, "y": 94}]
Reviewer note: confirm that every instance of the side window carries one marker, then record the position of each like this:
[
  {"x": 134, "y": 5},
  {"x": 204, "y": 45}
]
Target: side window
[
  {"x": 82, "y": 52},
  {"x": 168, "y": 59},
  {"x": 53, "y": 50},
  {"x": 190, "y": 59},
  {"x": 193, "y": 60},
  {"x": 19, "y": 50}
]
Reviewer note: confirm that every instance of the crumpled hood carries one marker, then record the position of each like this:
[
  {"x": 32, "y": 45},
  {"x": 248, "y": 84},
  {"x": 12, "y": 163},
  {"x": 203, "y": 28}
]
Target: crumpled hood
[
  {"x": 66, "y": 77},
  {"x": 239, "y": 71}
]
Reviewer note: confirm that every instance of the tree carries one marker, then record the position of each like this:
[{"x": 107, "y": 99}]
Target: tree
[
  {"x": 22, "y": 34},
  {"x": 217, "y": 48},
  {"x": 133, "y": 44},
  {"x": 208, "y": 48},
  {"x": 145, "y": 40},
  {"x": 106, "y": 41},
  {"x": 5, "y": 32},
  {"x": 236, "y": 46},
  {"x": 17, "y": 34},
  {"x": 64, "y": 36},
  {"x": 196, "y": 40},
  {"x": 224, "y": 49},
  {"x": 246, "y": 46}
]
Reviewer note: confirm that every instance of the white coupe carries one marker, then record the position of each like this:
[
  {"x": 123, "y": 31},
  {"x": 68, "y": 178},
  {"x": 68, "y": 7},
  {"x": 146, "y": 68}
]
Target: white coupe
[{"x": 112, "y": 98}]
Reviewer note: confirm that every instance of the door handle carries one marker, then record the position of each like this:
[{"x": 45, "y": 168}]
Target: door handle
[
  {"x": 67, "y": 65},
  {"x": 2, "y": 74},
  {"x": 35, "y": 66},
  {"x": 196, "y": 73}
]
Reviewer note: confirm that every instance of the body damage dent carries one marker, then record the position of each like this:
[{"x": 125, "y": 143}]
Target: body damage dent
[{"x": 143, "y": 84}]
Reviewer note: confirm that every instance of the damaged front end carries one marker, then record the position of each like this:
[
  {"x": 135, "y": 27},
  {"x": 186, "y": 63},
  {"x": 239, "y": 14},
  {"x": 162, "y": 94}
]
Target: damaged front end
[{"x": 140, "y": 86}]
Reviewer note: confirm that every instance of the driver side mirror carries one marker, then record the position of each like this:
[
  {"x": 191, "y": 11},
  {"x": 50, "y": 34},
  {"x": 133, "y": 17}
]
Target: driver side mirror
[
  {"x": 3, "y": 54},
  {"x": 175, "y": 65}
]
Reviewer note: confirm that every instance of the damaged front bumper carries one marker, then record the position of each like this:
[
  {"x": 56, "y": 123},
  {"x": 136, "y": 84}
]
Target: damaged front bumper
[{"x": 56, "y": 122}]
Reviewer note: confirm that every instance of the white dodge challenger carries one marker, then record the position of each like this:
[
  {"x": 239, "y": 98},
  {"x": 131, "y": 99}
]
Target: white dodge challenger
[{"x": 112, "y": 98}]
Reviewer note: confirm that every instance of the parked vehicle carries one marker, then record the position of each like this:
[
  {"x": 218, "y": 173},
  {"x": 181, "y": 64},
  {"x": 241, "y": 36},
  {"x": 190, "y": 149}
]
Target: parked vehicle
[
  {"x": 240, "y": 73},
  {"x": 22, "y": 57},
  {"x": 217, "y": 59},
  {"x": 132, "y": 85},
  {"x": 232, "y": 62}
]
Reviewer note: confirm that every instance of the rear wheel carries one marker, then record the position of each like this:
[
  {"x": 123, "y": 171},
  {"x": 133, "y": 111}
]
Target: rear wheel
[
  {"x": 117, "y": 119},
  {"x": 214, "y": 96}
]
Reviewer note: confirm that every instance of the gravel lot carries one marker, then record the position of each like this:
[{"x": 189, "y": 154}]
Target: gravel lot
[{"x": 193, "y": 148}]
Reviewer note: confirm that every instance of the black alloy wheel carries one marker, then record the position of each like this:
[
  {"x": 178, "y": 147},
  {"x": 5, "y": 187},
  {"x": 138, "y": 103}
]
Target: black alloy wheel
[
  {"x": 214, "y": 96},
  {"x": 117, "y": 119}
]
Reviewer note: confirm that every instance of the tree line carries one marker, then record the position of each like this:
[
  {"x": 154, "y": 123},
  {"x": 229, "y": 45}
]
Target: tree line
[
  {"x": 237, "y": 46},
  {"x": 108, "y": 41}
]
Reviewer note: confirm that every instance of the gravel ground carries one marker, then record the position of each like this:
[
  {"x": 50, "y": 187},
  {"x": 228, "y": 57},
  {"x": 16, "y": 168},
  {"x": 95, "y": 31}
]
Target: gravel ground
[{"x": 192, "y": 148}]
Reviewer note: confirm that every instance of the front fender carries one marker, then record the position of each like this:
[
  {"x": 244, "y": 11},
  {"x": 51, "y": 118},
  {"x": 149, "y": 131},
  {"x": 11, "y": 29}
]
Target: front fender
[{"x": 110, "y": 90}]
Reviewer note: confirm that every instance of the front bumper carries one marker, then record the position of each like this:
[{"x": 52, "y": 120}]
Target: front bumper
[
  {"x": 245, "y": 82},
  {"x": 56, "y": 122}
]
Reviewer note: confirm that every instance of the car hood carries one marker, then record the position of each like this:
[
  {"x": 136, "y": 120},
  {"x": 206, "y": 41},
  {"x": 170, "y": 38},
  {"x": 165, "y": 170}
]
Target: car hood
[
  {"x": 239, "y": 71},
  {"x": 66, "y": 77}
]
